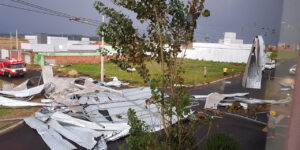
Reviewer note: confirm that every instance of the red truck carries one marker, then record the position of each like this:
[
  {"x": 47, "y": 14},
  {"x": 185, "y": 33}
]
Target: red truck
[{"x": 12, "y": 67}]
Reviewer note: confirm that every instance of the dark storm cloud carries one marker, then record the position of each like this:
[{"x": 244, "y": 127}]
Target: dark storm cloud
[{"x": 246, "y": 17}]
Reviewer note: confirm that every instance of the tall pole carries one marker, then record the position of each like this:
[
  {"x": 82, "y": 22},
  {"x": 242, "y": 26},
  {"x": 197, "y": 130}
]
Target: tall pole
[
  {"x": 102, "y": 61},
  {"x": 17, "y": 44},
  {"x": 10, "y": 39}
]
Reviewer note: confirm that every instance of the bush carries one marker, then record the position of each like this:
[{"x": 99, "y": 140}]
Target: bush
[
  {"x": 221, "y": 142},
  {"x": 273, "y": 55}
]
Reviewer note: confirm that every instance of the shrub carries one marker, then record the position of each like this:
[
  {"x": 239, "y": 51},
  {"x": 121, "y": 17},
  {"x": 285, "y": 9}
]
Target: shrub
[
  {"x": 221, "y": 142},
  {"x": 273, "y": 55}
]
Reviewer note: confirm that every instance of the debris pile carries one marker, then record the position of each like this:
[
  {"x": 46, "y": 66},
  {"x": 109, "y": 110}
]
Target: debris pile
[
  {"x": 236, "y": 101},
  {"x": 82, "y": 110}
]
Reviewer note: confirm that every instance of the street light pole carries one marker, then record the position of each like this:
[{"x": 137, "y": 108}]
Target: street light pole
[
  {"x": 17, "y": 44},
  {"x": 10, "y": 39},
  {"x": 102, "y": 61}
]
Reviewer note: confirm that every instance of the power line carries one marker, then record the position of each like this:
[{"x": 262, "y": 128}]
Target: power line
[
  {"x": 52, "y": 11},
  {"x": 48, "y": 13}
]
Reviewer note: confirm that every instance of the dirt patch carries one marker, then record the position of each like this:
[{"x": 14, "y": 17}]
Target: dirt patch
[{"x": 73, "y": 73}]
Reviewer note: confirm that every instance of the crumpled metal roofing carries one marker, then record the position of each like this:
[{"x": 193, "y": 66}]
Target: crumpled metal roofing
[
  {"x": 18, "y": 103},
  {"x": 49, "y": 135},
  {"x": 256, "y": 61},
  {"x": 24, "y": 93}
]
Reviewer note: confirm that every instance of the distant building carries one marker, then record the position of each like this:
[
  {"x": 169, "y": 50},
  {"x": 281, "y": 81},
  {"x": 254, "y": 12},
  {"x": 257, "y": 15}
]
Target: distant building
[
  {"x": 60, "y": 50},
  {"x": 228, "y": 49},
  {"x": 44, "y": 43},
  {"x": 230, "y": 38}
]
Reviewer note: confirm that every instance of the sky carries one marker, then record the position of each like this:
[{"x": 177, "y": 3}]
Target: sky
[{"x": 246, "y": 17}]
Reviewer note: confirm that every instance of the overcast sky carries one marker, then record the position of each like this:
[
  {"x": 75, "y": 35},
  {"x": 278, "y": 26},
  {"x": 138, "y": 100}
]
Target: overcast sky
[{"x": 246, "y": 17}]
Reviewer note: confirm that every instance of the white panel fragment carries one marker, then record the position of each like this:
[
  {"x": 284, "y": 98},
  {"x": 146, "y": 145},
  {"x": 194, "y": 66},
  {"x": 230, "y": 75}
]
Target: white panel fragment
[
  {"x": 24, "y": 93},
  {"x": 50, "y": 137},
  {"x": 18, "y": 103},
  {"x": 85, "y": 140},
  {"x": 213, "y": 100}
]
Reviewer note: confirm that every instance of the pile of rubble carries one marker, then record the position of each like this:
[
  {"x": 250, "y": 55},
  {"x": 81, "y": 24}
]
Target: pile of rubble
[{"x": 82, "y": 110}]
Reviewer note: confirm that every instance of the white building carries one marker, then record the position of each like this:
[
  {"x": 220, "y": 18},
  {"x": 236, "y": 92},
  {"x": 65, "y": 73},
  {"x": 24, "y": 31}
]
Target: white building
[
  {"x": 56, "y": 44},
  {"x": 228, "y": 49}
]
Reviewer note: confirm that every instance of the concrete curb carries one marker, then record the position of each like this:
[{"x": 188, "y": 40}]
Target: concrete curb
[
  {"x": 199, "y": 85},
  {"x": 11, "y": 127},
  {"x": 4, "y": 131}
]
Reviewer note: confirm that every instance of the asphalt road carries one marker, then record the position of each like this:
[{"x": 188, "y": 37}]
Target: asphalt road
[{"x": 18, "y": 80}]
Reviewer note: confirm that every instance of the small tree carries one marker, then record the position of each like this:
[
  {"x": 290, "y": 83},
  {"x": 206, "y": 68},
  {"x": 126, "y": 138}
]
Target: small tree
[
  {"x": 139, "y": 138},
  {"x": 170, "y": 24}
]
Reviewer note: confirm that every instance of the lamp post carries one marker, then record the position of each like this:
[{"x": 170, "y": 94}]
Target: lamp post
[{"x": 102, "y": 61}]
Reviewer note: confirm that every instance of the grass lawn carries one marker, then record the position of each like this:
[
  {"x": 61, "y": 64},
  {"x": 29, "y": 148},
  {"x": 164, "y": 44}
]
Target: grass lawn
[
  {"x": 4, "y": 112},
  {"x": 193, "y": 71},
  {"x": 287, "y": 55}
]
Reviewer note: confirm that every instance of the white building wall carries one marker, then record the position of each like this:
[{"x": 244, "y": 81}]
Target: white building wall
[
  {"x": 58, "y": 44},
  {"x": 4, "y": 53},
  {"x": 237, "y": 53},
  {"x": 37, "y": 47},
  {"x": 83, "y": 47}
]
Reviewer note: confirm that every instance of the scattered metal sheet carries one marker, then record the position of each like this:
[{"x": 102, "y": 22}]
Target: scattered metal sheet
[
  {"x": 285, "y": 89},
  {"x": 61, "y": 117},
  {"x": 68, "y": 102},
  {"x": 115, "y": 83},
  {"x": 225, "y": 95},
  {"x": 46, "y": 100},
  {"x": 123, "y": 133},
  {"x": 81, "y": 130},
  {"x": 258, "y": 101},
  {"x": 41, "y": 116},
  {"x": 89, "y": 86},
  {"x": 47, "y": 74},
  {"x": 50, "y": 137},
  {"x": 22, "y": 86},
  {"x": 101, "y": 144},
  {"x": 85, "y": 140},
  {"x": 7, "y": 87},
  {"x": 17, "y": 103},
  {"x": 213, "y": 100},
  {"x": 24, "y": 93},
  {"x": 227, "y": 82},
  {"x": 287, "y": 85}
]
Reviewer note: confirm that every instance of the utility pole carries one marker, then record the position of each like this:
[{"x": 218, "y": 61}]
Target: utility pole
[
  {"x": 10, "y": 39},
  {"x": 17, "y": 44},
  {"x": 102, "y": 61}
]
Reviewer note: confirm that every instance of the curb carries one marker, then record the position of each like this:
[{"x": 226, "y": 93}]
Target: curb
[
  {"x": 199, "y": 85},
  {"x": 11, "y": 127},
  {"x": 4, "y": 131}
]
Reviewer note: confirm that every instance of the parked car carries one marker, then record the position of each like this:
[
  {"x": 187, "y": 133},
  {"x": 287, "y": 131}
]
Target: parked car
[
  {"x": 293, "y": 70},
  {"x": 270, "y": 65}
]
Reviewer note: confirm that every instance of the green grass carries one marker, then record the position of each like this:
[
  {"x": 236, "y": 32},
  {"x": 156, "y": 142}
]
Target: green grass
[
  {"x": 7, "y": 125},
  {"x": 4, "y": 112},
  {"x": 287, "y": 55},
  {"x": 193, "y": 71}
]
